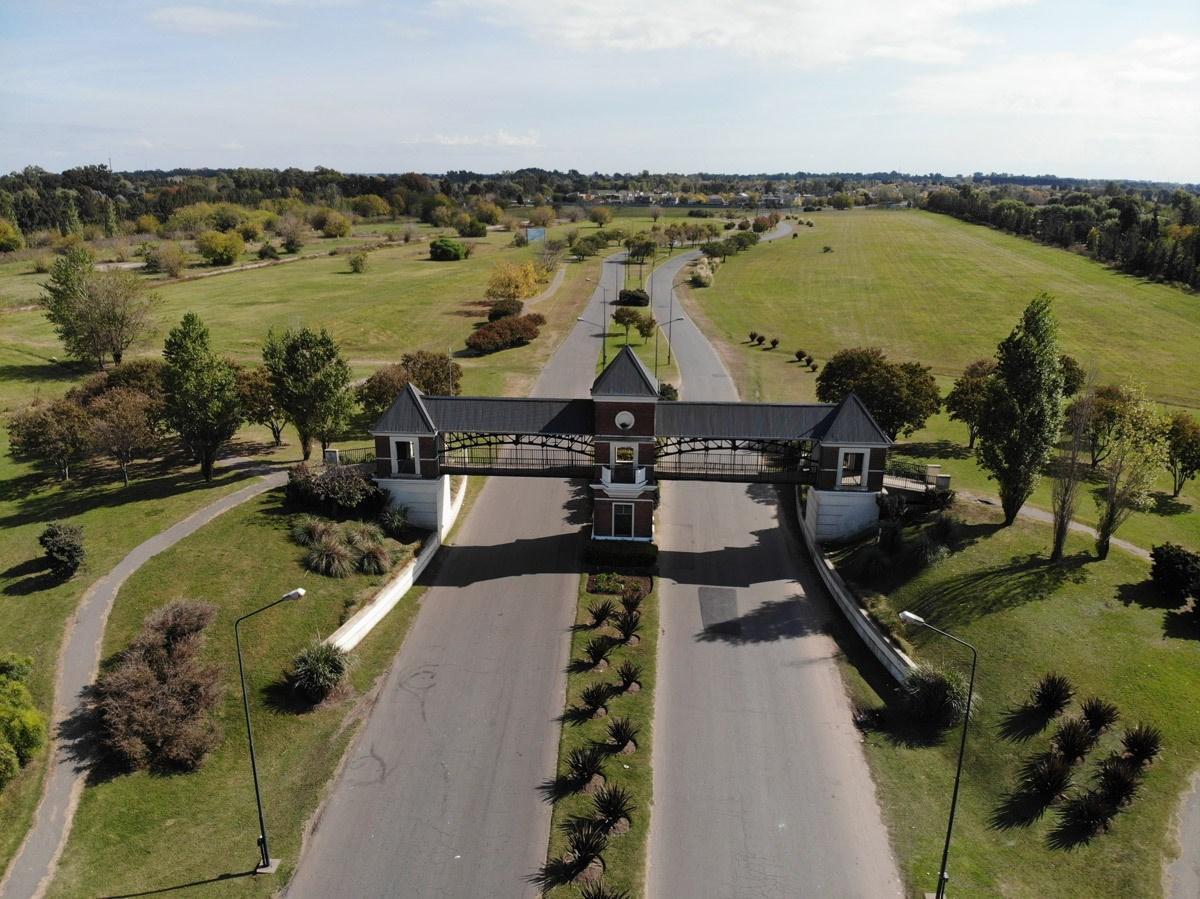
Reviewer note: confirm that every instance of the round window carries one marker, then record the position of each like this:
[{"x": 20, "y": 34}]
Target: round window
[{"x": 624, "y": 420}]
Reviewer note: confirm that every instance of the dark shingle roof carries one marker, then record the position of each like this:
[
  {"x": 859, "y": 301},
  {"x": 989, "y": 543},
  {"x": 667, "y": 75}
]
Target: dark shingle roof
[
  {"x": 407, "y": 415},
  {"x": 851, "y": 422},
  {"x": 494, "y": 415},
  {"x": 846, "y": 423},
  {"x": 625, "y": 376}
]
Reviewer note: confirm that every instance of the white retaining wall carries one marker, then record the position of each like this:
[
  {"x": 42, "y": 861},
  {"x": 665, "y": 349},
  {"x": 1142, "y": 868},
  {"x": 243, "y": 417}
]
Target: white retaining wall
[
  {"x": 839, "y": 514},
  {"x": 361, "y": 622},
  {"x": 427, "y": 500},
  {"x": 897, "y": 664}
]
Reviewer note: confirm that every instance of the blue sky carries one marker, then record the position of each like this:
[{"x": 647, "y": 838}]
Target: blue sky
[{"x": 1099, "y": 89}]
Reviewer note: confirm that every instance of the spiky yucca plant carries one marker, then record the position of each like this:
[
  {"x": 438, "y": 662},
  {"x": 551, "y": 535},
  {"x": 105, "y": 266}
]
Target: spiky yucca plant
[
  {"x": 1118, "y": 780},
  {"x": 612, "y": 804},
  {"x": 598, "y": 890},
  {"x": 594, "y": 695},
  {"x": 586, "y": 842},
  {"x": 600, "y": 612},
  {"x": 1052, "y": 694},
  {"x": 621, "y": 732},
  {"x": 1088, "y": 812},
  {"x": 1142, "y": 743},
  {"x": 597, "y": 651},
  {"x": 628, "y": 672},
  {"x": 631, "y": 599},
  {"x": 1047, "y": 776},
  {"x": 1099, "y": 714},
  {"x": 585, "y": 763},
  {"x": 627, "y": 624},
  {"x": 1073, "y": 739}
]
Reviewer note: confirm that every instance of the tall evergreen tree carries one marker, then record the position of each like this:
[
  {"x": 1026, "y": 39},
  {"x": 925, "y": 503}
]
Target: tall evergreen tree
[
  {"x": 203, "y": 405},
  {"x": 1023, "y": 410},
  {"x": 311, "y": 382}
]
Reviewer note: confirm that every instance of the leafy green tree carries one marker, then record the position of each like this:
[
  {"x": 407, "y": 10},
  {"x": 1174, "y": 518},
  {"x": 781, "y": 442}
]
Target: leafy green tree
[
  {"x": 541, "y": 216},
  {"x": 1023, "y": 411},
  {"x": 64, "y": 299},
  {"x": 311, "y": 383},
  {"x": 123, "y": 427},
  {"x": 626, "y": 318},
  {"x": 601, "y": 215},
  {"x": 377, "y": 393},
  {"x": 202, "y": 401},
  {"x": 646, "y": 326},
  {"x": 10, "y": 237},
  {"x": 1073, "y": 375},
  {"x": 965, "y": 401},
  {"x": 901, "y": 396},
  {"x": 1109, "y": 403},
  {"x": 434, "y": 373},
  {"x": 258, "y": 401},
  {"x": 122, "y": 307},
  {"x": 57, "y": 433},
  {"x": 1183, "y": 450},
  {"x": 370, "y": 205},
  {"x": 220, "y": 247},
  {"x": 335, "y": 225},
  {"x": 1137, "y": 451}
]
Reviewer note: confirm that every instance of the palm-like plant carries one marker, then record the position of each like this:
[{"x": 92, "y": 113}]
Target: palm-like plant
[
  {"x": 585, "y": 763},
  {"x": 1088, "y": 813},
  {"x": 600, "y": 612},
  {"x": 628, "y": 672},
  {"x": 597, "y": 651},
  {"x": 586, "y": 842},
  {"x": 1118, "y": 780},
  {"x": 621, "y": 732},
  {"x": 1099, "y": 714},
  {"x": 627, "y": 624},
  {"x": 1073, "y": 739},
  {"x": 598, "y": 890},
  {"x": 1052, "y": 694},
  {"x": 1047, "y": 776},
  {"x": 594, "y": 695},
  {"x": 631, "y": 599},
  {"x": 612, "y": 804},
  {"x": 1142, "y": 743}
]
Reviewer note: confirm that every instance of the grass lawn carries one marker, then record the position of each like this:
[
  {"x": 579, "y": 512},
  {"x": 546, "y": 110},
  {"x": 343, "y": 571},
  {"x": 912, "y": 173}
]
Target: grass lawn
[
  {"x": 139, "y": 832},
  {"x": 625, "y": 858},
  {"x": 943, "y": 292},
  {"x": 1100, "y": 624}
]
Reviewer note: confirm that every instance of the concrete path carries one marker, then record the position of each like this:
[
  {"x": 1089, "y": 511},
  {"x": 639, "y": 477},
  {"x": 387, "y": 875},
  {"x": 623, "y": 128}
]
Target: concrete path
[
  {"x": 761, "y": 788},
  {"x": 1183, "y": 874},
  {"x": 29, "y": 873},
  {"x": 438, "y": 796}
]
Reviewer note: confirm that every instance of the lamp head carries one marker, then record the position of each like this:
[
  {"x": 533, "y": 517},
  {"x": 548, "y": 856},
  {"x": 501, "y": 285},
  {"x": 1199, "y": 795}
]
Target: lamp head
[
  {"x": 298, "y": 593},
  {"x": 911, "y": 618}
]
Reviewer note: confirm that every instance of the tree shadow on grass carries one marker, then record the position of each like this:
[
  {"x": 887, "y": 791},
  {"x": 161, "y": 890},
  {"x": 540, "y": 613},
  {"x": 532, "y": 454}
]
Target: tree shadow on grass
[
  {"x": 890, "y": 722},
  {"x": 1145, "y": 595},
  {"x": 934, "y": 449},
  {"x": 220, "y": 878},
  {"x": 1182, "y": 624},
  {"x": 1165, "y": 504}
]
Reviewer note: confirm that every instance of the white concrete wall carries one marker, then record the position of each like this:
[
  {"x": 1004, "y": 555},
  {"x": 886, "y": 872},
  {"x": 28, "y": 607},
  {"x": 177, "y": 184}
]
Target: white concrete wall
[
  {"x": 428, "y": 501},
  {"x": 838, "y": 514}
]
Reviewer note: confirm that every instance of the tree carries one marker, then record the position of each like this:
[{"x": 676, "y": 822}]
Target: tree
[
  {"x": 1183, "y": 450},
  {"x": 202, "y": 401},
  {"x": 900, "y": 396},
  {"x": 167, "y": 257},
  {"x": 434, "y": 373},
  {"x": 541, "y": 216},
  {"x": 655, "y": 213},
  {"x": 646, "y": 326},
  {"x": 57, "y": 433},
  {"x": 291, "y": 230},
  {"x": 311, "y": 383},
  {"x": 258, "y": 401},
  {"x": 842, "y": 201},
  {"x": 510, "y": 281},
  {"x": 123, "y": 426},
  {"x": 488, "y": 212},
  {"x": 10, "y": 237},
  {"x": 220, "y": 247},
  {"x": 336, "y": 225},
  {"x": 1110, "y": 403},
  {"x": 1073, "y": 375},
  {"x": 63, "y": 545},
  {"x": 370, "y": 205},
  {"x": 965, "y": 400},
  {"x": 377, "y": 393},
  {"x": 445, "y": 249},
  {"x": 626, "y": 318},
  {"x": 1137, "y": 450},
  {"x": 65, "y": 302},
  {"x": 122, "y": 308},
  {"x": 1068, "y": 474},
  {"x": 1022, "y": 411},
  {"x": 601, "y": 215}
]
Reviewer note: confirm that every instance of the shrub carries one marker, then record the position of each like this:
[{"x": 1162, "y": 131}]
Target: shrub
[
  {"x": 155, "y": 705},
  {"x": 393, "y": 520},
  {"x": 799, "y": 354},
  {"x": 10, "y": 237},
  {"x": 774, "y": 342},
  {"x": 147, "y": 224},
  {"x": 944, "y": 528},
  {"x": 872, "y": 563},
  {"x": 42, "y": 264},
  {"x": 509, "y": 331},
  {"x": 634, "y": 297},
  {"x": 628, "y": 672},
  {"x": 22, "y": 726},
  {"x": 330, "y": 557},
  {"x": 701, "y": 277},
  {"x": 308, "y": 529},
  {"x": 667, "y": 391},
  {"x": 444, "y": 249},
  {"x": 318, "y": 669},
  {"x": 753, "y": 336},
  {"x": 1142, "y": 743},
  {"x": 600, "y": 612},
  {"x": 14, "y": 667},
  {"x": 1099, "y": 714},
  {"x": 472, "y": 228},
  {"x": 1175, "y": 572},
  {"x": 607, "y": 582},
  {"x": 10, "y": 765},
  {"x": 339, "y": 492},
  {"x": 1073, "y": 739},
  {"x": 358, "y": 263},
  {"x": 268, "y": 251},
  {"x": 166, "y": 257},
  {"x": 250, "y": 231},
  {"x": 335, "y": 225},
  {"x": 760, "y": 339},
  {"x": 220, "y": 247},
  {"x": 827, "y": 249},
  {"x": 926, "y": 550},
  {"x": 361, "y": 535},
  {"x": 1118, "y": 780},
  {"x": 503, "y": 308},
  {"x": 935, "y": 698},
  {"x": 1051, "y": 694},
  {"x": 1048, "y": 776},
  {"x": 63, "y": 546}
]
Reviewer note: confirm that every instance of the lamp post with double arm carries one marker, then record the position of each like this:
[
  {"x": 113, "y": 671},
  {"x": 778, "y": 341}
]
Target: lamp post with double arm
[{"x": 913, "y": 618}]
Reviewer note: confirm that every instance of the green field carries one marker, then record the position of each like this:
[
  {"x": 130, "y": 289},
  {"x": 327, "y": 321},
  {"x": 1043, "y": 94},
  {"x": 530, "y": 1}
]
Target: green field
[
  {"x": 943, "y": 292},
  {"x": 1099, "y": 623}
]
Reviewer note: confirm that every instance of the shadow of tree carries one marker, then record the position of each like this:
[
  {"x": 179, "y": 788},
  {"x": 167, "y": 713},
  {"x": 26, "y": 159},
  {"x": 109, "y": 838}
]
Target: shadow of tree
[
  {"x": 897, "y": 728},
  {"x": 767, "y": 623},
  {"x": 933, "y": 449},
  {"x": 1182, "y": 624},
  {"x": 1165, "y": 504}
]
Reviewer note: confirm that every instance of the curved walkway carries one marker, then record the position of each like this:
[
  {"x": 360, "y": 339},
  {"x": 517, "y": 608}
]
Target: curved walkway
[{"x": 31, "y": 868}]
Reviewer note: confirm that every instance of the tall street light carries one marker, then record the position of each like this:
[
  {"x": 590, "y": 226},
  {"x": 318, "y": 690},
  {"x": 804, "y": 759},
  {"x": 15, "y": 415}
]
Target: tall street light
[
  {"x": 266, "y": 865},
  {"x": 913, "y": 618},
  {"x": 656, "y": 332},
  {"x": 603, "y": 317}
]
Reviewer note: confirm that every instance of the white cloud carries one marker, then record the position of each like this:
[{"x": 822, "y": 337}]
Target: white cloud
[
  {"x": 207, "y": 20},
  {"x": 500, "y": 138},
  {"x": 806, "y": 33}
]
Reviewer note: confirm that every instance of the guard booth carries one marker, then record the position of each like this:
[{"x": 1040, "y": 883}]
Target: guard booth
[{"x": 624, "y": 440}]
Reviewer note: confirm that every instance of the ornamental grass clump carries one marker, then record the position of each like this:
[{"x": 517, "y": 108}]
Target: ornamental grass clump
[
  {"x": 1073, "y": 739},
  {"x": 1052, "y": 694},
  {"x": 393, "y": 520},
  {"x": 1142, "y": 743},
  {"x": 318, "y": 669},
  {"x": 375, "y": 559},
  {"x": 935, "y": 698},
  {"x": 612, "y": 805},
  {"x": 361, "y": 535},
  {"x": 621, "y": 733},
  {"x": 330, "y": 557},
  {"x": 1099, "y": 714},
  {"x": 308, "y": 529},
  {"x": 600, "y": 612}
]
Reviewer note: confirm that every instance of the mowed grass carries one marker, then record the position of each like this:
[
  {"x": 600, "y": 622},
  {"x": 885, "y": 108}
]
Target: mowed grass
[
  {"x": 625, "y": 858},
  {"x": 1099, "y": 623},
  {"x": 147, "y": 832},
  {"x": 943, "y": 292}
]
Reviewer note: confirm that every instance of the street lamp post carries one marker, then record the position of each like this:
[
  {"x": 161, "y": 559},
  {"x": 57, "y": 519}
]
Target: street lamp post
[
  {"x": 912, "y": 618},
  {"x": 266, "y": 864},
  {"x": 656, "y": 332},
  {"x": 603, "y": 317}
]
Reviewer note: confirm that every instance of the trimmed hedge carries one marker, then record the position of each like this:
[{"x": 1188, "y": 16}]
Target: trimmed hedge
[
  {"x": 509, "y": 331},
  {"x": 634, "y": 297},
  {"x": 504, "y": 308},
  {"x": 444, "y": 249}
]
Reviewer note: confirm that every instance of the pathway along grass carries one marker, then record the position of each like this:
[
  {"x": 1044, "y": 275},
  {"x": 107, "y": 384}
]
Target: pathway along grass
[
  {"x": 145, "y": 832},
  {"x": 1099, "y": 623},
  {"x": 625, "y": 855}
]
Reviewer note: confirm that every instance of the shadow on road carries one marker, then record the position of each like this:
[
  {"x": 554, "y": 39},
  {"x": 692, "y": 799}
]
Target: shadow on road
[{"x": 771, "y": 621}]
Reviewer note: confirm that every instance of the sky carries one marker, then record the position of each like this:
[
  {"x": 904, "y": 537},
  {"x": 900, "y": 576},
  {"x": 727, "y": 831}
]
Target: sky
[{"x": 1086, "y": 89}]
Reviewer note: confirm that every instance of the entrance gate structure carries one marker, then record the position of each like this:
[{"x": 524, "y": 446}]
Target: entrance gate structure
[{"x": 625, "y": 440}]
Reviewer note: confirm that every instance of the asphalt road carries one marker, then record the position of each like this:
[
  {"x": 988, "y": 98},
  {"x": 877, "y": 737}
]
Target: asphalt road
[
  {"x": 438, "y": 797},
  {"x": 761, "y": 788}
]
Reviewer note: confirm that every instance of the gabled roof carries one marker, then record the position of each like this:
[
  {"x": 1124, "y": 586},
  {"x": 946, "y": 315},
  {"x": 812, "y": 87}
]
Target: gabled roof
[
  {"x": 625, "y": 376},
  {"x": 407, "y": 415},
  {"x": 850, "y": 422}
]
